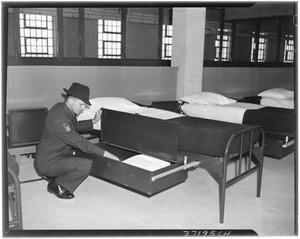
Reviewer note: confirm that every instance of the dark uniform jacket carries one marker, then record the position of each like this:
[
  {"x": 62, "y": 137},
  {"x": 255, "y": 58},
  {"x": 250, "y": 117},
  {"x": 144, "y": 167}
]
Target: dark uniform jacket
[{"x": 60, "y": 134}]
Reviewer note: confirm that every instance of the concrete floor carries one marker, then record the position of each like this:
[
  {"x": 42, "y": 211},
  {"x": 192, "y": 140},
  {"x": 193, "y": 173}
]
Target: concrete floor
[{"x": 99, "y": 205}]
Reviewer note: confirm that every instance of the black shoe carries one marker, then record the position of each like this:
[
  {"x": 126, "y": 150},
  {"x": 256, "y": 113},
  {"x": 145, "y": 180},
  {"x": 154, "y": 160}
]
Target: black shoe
[{"x": 59, "y": 191}]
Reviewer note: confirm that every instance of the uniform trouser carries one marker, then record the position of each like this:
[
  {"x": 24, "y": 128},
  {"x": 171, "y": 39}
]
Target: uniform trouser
[{"x": 70, "y": 171}]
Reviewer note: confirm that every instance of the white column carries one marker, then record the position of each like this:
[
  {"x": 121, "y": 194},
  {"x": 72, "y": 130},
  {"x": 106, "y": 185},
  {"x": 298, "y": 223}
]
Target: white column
[{"x": 188, "y": 49}]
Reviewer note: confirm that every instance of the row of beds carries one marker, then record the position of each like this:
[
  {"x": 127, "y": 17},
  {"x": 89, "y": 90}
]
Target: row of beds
[
  {"x": 278, "y": 123},
  {"x": 187, "y": 142},
  {"x": 184, "y": 142}
]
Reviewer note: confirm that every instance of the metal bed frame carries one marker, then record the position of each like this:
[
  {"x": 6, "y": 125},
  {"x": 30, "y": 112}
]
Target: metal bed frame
[
  {"x": 254, "y": 155},
  {"x": 14, "y": 195},
  {"x": 217, "y": 167}
]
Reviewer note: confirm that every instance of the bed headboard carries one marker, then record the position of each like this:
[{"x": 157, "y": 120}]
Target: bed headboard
[{"x": 155, "y": 137}]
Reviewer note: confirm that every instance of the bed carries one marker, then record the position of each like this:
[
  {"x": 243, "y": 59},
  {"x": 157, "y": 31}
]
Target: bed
[
  {"x": 184, "y": 142},
  {"x": 275, "y": 97},
  {"x": 278, "y": 123}
]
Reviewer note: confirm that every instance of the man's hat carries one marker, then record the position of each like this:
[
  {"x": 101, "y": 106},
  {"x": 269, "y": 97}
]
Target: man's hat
[{"x": 79, "y": 91}]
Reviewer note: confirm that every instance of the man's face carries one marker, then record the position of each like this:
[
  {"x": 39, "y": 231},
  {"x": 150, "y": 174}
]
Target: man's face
[{"x": 78, "y": 106}]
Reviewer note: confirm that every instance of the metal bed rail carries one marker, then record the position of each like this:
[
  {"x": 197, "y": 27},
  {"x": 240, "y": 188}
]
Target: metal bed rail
[
  {"x": 217, "y": 166},
  {"x": 252, "y": 155},
  {"x": 15, "y": 199}
]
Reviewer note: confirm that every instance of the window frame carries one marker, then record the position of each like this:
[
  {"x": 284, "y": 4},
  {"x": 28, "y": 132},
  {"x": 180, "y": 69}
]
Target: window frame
[
  {"x": 61, "y": 60},
  {"x": 225, "y": 49},
  {"x": 165, "y": 42},
  {"x": 104, "y": 42},
  {"x": 25, "y": 20},
  {"x": 259, "y": 51},
  {"x": 286, "y": 51},
  {"x": 82, "y": 60},
  {"x": 255, "y": 63}
]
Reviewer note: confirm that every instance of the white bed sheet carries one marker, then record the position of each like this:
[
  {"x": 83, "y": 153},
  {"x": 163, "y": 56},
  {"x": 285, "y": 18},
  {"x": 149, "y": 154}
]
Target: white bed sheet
[
  {"x": 144, "y": 111},
  {"x": 155, "y": 113},
  {"x": 279, "y": 103},
  {"x": 233, "y": 113}
]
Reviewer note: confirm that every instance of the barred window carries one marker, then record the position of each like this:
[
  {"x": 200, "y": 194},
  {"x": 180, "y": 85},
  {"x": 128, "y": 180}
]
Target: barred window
[
  {"x": 226, "y": 43},
  {"x": 262, "y": 48},
  {"x": 36, "y": 35},
  {"x": 167, "y": 31},
  {"x": 288, "y": 49},
  {"x": 109, "y": 39}
]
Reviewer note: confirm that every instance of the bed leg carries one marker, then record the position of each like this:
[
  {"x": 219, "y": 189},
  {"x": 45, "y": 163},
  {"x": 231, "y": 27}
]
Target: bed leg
[
  {"x": 258, "y": 156},
  {"x": 259, "y": 181},
  {"x": 222, "y": 188}
]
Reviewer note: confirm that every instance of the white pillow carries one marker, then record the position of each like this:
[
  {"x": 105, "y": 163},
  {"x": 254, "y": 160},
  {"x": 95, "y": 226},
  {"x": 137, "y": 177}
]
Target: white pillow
[
  {"x": 278, "y": 93},
  {"x": 112, "y": 103},
  {"x": 207, "y": 98}
]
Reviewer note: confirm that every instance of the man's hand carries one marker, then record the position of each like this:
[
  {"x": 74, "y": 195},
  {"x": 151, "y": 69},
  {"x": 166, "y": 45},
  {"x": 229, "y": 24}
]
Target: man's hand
[{"x": 97, "y": 116}]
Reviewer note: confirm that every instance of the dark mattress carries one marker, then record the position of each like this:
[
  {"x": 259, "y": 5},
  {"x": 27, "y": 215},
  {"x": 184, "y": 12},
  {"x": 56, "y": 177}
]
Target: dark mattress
[
  {"x": 272, "y": 119},
  {"x": 195, "y": 135},
  {"x": 210, "y": 137}
]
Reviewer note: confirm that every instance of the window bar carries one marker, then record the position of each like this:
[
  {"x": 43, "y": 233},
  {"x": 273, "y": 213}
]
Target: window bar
[
  {"x": 295, "y": 35},
  {"x": 81, "y": 41},
  {"x": 279, "y": 39},
  {"x": 292, "y": 56},
  {"x": 294, "y": 50},
  {"x": 4, "y": 41},
  {"x": 160, "y": 23},
  {"x": 123, "y": 34},
  {"x": 222, "y": 23},
  {"x": 257, "y": 36},
  {"x": 288, "y": 49},
  {"x": 60, "y": 34},
  {"x": 17, "y": 35},
  {"x": 233, "y": 40}
]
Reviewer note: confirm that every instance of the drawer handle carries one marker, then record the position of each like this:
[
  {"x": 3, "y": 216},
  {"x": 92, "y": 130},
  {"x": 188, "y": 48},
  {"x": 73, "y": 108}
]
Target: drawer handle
[{"x": 130, "y": 175}]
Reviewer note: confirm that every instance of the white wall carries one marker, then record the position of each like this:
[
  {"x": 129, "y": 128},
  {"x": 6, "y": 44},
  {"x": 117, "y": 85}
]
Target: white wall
[
  {"x": 246, "y": 81},
  {"x": 34, "y": 86}
]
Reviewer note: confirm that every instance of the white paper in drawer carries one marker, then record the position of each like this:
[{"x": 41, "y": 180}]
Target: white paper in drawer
[{"x": 146, "y": 162}]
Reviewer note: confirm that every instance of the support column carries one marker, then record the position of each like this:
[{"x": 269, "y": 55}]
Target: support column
[{"x": 188, "y": 49}]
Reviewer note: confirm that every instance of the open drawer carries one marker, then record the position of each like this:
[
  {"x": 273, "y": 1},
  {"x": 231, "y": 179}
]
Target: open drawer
[
  {"x": 147, "y": 137},
  {"x": 133, "y": 177},
  {"x": 278, "y": 146}
]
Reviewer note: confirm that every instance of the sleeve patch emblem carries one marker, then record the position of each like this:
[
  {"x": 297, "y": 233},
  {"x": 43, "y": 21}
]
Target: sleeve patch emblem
[{"x": 67, "y": 127}]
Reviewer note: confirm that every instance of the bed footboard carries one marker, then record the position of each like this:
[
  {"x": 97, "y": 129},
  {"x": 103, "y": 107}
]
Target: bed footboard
[
  {"x": 254, "y": 162},
  {"x": 249, "y": 159}
]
